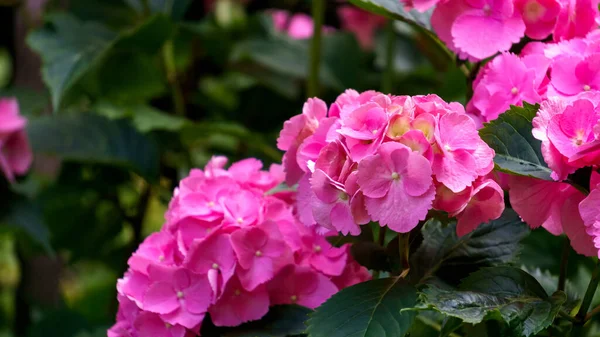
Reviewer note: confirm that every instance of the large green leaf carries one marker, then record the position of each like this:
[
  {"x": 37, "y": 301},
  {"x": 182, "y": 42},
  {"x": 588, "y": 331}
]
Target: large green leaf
[
  {"x": 71, "y": 49},
  {"x": 499, "y": 293},
  {"x": 95, "y": 139},
  {"x": 517, "y": 151},
  {"x": 369, "y": 309},
  {"x": 281, "y": 321},
  {"x": 451, "y": 258}
]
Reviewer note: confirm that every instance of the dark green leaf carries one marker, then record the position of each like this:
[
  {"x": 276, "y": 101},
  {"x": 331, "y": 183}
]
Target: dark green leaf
[
  {"x": 27, "y": 216},
  {"x": 451, "y": 258},
  {"x": 499, "y": 293},
  {"x": 145, "y": 118},
  {"x": 94, "y": 139},
  {"x": 395, "y": 10},
  {"x": 281, "y": 321},
  {"x": 173, "y": 8},
  {"x": 450, "y": 325},
  {"x": 371, "y": 255},
  {"x": 71, "y": 49},
  {"x": 367, "y": 309},
  {"x": 517, "y": 151}
]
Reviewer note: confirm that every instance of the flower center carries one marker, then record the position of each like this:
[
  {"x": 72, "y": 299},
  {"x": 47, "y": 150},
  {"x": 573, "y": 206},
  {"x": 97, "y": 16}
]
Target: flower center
[
  {"x": 533, "y": 11},
  {"x": 586, "y": 88},
  {"x": 168, "y": 326},
  {"x": 294, "y": 298},
  {"x": 215, "y": 266},
  {"x": 375, "y": 132},
  {"x": 395, "y": 176},
  {"x": 237, "y": 292},
  {"x": 317, "y": 248},
  {"x": 258, "y": 253},
  {"x": 514, "y": 90},
  {"x": 343, "y": 196},
  {"x": 487, "y": 9},
  {"x": 240, "y": 220},
  {"x": 161, "y": 258},
  {"x": 447, "y": 147},
  {"x": 180, "y": 294},
  {"x": 210, "y": 204}
]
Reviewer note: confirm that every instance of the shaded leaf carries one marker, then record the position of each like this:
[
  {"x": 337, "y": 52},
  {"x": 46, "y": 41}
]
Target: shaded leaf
[
  {"x": 71, "y": 49},
  {"x": 27, "y": 216},
  {"x": 144, "y": 117},
  {"x": 395, "y": 10},
  {"x": 369, "y": 309},
  {"x": 95, "y": 139},
  {"x": 450, "y": 325},
  {"x": 451, "y": 258},
  {"x": 173, "y": 8},
  {"x": 517, "y": 151},
  {"x": 499, "y": 293}
]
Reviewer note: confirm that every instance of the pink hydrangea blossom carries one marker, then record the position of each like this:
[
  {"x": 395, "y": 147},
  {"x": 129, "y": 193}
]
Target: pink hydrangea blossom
[
  {"x": 478, "y": 29},
  {"x": 567, "y": 134},
  {"x": 231, "y": 247},
  {"x": 539, "y": 16},
  {"x": 376, "y": 159},
  {"x": 361, "y": 23},
  {"x": 15, "y": 151},
  {"x": 576, "y": 19}
]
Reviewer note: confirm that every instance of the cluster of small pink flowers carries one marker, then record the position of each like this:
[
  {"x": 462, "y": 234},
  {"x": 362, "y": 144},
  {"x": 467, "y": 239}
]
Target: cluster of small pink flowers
[
  {"x": 390, "y": 159},
  {"x": 231, "y": 248},
  {"x": 477, "y": 29},
  {"x": 15, "y": 152},
  {"x": 563, "y": 70},
  {"x": 357, "y": 21}
]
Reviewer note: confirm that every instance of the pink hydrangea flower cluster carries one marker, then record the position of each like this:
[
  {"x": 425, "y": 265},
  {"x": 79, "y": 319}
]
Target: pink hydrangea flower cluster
[
  {"x": 564, "y": 70},
  {"x": 477, "y": 29},
  {"x": 390, "y": 159},
  {"x": 15, "y": 152},
  {"x": 589, "y": 209},
  {"x": 231, "y": 247}
]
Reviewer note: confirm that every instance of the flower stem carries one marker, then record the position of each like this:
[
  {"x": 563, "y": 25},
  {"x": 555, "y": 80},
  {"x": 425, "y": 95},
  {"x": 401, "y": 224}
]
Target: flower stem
[
  {"x": 318, "y": 13},
  {"x": 562, "y": 276},
  {"x": 387, "y": 81},
  {"x": 171, "y": 70},
  {"x": 405, "y": 253},
  {"x": 589, "y": 294}
]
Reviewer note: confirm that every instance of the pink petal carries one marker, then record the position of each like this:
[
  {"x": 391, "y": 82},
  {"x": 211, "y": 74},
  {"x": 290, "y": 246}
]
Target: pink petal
[
  {"x": 481, "y": 36},
  {"x": 161, "y": 298}
]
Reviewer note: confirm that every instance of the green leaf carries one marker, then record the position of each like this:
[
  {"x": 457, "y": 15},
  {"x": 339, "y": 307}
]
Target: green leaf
[
  {"x": 173, "y": 8},
  {"x": 369, "y": 309},
  {"x": 27, "y": 216},
  {"x": 445, "y": 255},
  {"x": 517, "y": 151},
  {"x": 395, "y": 10},
  {"x": 145, "y": 118},
  {"x": 499, "y": 293},
  {"x": 72, "y": 49},
  {"x": 450, "y": 325},
  {"x": 95, "y": 139},
  {"x": 281, "y": 321}
]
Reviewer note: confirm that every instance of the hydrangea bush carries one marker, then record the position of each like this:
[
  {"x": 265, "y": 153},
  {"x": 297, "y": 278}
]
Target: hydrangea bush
[
  {"x": 239, "y": 242},
  {"x": 386, "y": 211}
]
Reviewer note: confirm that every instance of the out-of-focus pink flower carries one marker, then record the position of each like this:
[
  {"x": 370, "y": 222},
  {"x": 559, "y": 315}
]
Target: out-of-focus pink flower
[
  {"x": 297, "y": 26},
  {"x": 15, "y": 152},
  {"x": 361, "y": 23},
  {"x": 486, "y": 203}
]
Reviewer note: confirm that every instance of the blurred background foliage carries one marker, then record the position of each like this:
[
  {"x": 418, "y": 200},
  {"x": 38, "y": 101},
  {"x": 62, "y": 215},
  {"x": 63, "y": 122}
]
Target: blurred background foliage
[{"x": 125, "y": 96}]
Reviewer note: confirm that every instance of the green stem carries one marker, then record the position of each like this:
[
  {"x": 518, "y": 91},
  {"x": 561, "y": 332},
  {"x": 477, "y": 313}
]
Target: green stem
[
  {"x": 387, "y": 82},
  {"x": 318, "y": 13},
  {"x": 434, "y": 325},
  {"x": 562, "y": 276},
  {"x": 171, "y": 70},
  {"x": 589, "y": 294},
  {"x": 404, "y": 245}
]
